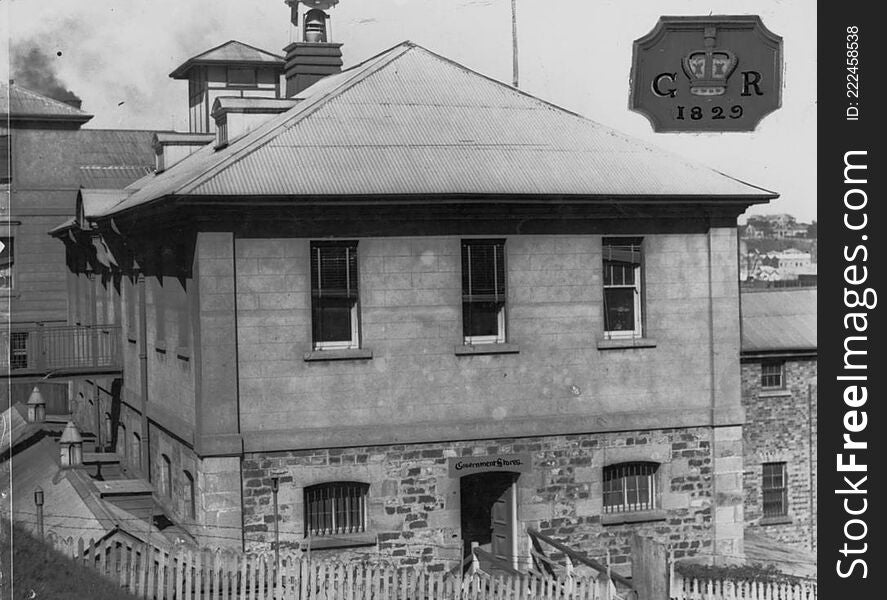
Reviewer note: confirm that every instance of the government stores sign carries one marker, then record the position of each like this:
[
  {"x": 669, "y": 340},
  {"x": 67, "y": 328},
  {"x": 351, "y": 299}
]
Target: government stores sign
[
  {"x": 469, "y": 465},
  {"x": 713, "y": 73}
]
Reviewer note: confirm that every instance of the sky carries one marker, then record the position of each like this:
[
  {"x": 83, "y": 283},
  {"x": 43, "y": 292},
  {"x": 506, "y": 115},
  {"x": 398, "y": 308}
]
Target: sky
[{"x": 116, "y": 55}]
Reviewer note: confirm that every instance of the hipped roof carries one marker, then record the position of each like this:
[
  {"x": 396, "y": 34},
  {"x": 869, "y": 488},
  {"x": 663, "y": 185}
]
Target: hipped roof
[
  {"x": 231, "y": 52},
  {"x": 18, "y": 103},
  {"x": 411, "y": 122}
]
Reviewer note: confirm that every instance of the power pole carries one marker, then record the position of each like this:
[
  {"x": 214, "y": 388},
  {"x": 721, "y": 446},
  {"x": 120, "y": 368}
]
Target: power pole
[{"x": 514, "y": 42}]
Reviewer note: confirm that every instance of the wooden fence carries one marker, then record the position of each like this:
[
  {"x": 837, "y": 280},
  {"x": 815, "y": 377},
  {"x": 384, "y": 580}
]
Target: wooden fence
[
  {"x": 189, "y": 574},
  {"x": 696, "y": 589}
]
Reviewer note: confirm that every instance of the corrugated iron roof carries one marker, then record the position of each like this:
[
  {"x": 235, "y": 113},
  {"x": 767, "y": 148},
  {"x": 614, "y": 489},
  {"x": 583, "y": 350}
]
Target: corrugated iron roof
[
  {"x": 18, "y": 103},
  {"x": 96, "y": 202},
  {"x": 231, "y": 51},
  {"x": 409, "y": 121},
  {"x": 778, "y": 319},
  {"x": 112, "y": 159}
]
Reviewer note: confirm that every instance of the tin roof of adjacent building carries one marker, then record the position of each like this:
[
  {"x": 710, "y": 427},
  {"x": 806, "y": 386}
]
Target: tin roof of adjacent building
[
  {"x": 779, "y": 320},
  {"x": 231, "y": 52},
  {"x": 18, "y": 103},
  {"x": 411, "y": 122}
]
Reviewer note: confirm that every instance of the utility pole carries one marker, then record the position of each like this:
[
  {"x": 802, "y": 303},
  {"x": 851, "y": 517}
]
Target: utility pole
[{"x": 514, "y": 71}]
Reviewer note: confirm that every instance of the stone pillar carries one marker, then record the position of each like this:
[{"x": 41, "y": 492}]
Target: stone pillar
[
  {"x": 220, "y": 499},
  {"x": 728, "y": 502}
]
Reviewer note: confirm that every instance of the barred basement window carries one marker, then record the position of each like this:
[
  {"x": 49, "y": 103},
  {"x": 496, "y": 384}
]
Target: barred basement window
[
  {"x": 483, "y": 291},
  {"x": 773, "y": 375},
  {"x": 622, "y": 287},
  {"x": 774, "y": 489},
  {"x": 630, "y": 487},
  {"x": 336, "y": 508},
  {"x": 334, "y": 295}
]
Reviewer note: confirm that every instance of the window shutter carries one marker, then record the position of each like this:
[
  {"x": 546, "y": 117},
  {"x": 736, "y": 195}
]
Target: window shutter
[
  {"x": 5, "y": 166},
  {"x": 335, "y": 272},
  {"x": 483, "y": 271}
]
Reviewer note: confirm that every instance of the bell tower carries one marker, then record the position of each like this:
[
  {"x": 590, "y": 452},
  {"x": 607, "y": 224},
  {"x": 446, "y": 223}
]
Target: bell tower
[{"x": 316, "y": 55}]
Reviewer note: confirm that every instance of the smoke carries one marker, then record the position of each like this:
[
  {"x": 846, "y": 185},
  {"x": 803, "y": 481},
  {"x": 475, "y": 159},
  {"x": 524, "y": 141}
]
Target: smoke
[{"x": 34, "y": 69}]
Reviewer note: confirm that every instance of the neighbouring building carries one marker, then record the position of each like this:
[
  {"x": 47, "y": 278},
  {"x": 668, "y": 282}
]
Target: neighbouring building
[
  {"x": 46, "y": 156},
  {"x": 424, "y": 310},
  {"x": 779, "y": 396}
]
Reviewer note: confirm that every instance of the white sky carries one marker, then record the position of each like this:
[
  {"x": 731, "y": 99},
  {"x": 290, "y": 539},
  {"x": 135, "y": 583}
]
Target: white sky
[{"x": 117, "y": 55}]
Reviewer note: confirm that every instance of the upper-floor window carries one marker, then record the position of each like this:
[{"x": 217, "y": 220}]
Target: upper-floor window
[
  {"x": 7, "y": 259},
  {"x": 483, "y": 291},
  {"x": 5, "y": 160},
  {"x": 334, "y": 295},
  {"x": 630, "y": 487},
  {"x": 190, "y": 496},
  {"x": 623, "y": 310},
  {"x": 336, "y": 508},
  {"x": 773, "y": 374},
  {"x": 774, "y": 489},
  {"x": 165, "y": 476}
]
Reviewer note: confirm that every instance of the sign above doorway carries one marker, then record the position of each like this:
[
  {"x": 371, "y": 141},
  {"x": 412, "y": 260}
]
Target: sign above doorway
[{"x": 469, "y": 465}]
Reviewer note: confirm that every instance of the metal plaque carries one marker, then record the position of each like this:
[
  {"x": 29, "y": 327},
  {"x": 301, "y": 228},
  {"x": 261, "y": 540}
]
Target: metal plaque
[{"x": 714, "y": 73}]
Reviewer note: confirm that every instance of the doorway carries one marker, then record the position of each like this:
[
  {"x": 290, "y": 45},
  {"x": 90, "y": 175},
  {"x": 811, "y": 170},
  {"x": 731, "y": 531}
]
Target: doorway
[{"x": 489, "y": 514}]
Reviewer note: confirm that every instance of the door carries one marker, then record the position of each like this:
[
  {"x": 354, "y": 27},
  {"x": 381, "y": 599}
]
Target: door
[{"x": 489, "y": 515}]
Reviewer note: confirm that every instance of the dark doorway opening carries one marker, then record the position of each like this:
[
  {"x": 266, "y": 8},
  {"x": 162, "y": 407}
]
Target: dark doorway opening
[{"x": 488, "y": 507}]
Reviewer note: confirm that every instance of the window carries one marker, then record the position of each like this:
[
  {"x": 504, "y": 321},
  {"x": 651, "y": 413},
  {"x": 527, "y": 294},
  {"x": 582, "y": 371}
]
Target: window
[
  {"x": 5, "y": 160},
  {"x": 630, "y": 487},
  {"x": 131, "y": 300},
  {"x": 773, "y": 488},
  {"x": 121, "y": 442},
  {"x": 18, "y": 350},
  {"x": 241, "y": 77},
  {"x": 622, "y": 287},
  {"x": 136, "y": 450},
  {"x": 334, "y": 295},
  {"x": 7, "y": 257},
  {"x": 483, "y": 291},
  {"x": 772, "y": 375},
  {"x": 190, "y": 496},
  {"x": 335, "y": 508},
  {"x": 165, "y": 476}
]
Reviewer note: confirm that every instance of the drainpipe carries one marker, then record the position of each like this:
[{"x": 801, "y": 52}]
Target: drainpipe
[
  {"x": 810, "y": 442},
  {"x": 143, "y": 373},
  {"x": 713, "y": 400}
]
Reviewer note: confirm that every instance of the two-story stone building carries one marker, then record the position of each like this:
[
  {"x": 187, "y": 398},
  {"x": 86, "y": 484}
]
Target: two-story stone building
[{"x": 422, "y": 309}]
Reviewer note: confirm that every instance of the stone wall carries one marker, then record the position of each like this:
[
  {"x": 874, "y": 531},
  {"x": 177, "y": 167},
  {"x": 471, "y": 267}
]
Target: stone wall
[
  {"x": 781, "y": 427},
  {"x": 414, "y": 504}
]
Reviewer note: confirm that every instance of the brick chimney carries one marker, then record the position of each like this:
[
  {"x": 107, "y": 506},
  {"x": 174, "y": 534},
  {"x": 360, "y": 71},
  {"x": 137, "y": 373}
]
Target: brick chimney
[{"x": 316, "y": 56}]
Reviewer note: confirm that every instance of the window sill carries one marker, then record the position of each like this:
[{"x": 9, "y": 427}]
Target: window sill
[
  {"x": 346, "y": 354},
  {"x": 367, "y": 538},
  {"x": 774, "y": 393},
  {"x": 618, "y": 343},
  {"x": 469, "y": 350},
  {"x": 131, "y": 337},
  {"x": 183, "y": 352},
  {"x": 160, "y": 347},
  {"x": 9, "y": 294},
  {"x": 641, "y": 516},
  {"x": 780, "y": 520}
]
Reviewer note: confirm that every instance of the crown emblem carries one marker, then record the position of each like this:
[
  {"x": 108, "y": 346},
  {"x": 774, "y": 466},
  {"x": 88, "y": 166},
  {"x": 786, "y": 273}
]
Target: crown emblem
[{"x": 709, "y": 68}]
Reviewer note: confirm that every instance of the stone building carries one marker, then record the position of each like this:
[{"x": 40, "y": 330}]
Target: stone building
[
  {"x": 430, "y": 311},
  {"x": 779, "y": 396}
]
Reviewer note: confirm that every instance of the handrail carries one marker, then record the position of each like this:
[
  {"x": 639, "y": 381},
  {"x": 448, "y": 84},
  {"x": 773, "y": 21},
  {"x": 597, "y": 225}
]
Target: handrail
[
  {"x": 580, "y": 558},
  {"x": 499, "y": 563}
]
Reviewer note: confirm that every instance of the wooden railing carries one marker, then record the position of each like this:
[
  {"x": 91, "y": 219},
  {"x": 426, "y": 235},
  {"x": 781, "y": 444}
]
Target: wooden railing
[
  {"x": 184, "y": 573},
  {"x": 60, "y": 350}
]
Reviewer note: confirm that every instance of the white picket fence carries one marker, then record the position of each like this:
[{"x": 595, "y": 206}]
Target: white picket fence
[
  {"x": 696, "y": 589},
  {"x": 188, "y": 574}
]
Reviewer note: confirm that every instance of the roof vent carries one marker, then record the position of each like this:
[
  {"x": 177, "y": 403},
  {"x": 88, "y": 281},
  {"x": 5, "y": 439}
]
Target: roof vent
[
  {"x": 236, "y": 116},
  {"x": 171, "y": 147},
  {"x": 71, "y": 446},
  {"x": 36, "y": 406}
]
